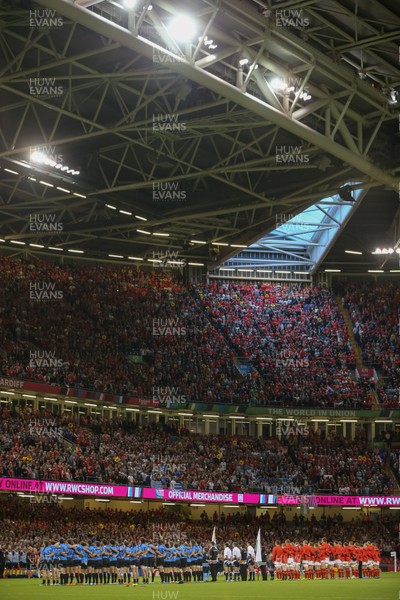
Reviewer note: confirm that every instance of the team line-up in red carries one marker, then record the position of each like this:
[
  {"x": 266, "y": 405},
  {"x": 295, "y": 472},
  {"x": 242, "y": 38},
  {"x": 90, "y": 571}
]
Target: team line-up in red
[{"x": 325, "y": 561}]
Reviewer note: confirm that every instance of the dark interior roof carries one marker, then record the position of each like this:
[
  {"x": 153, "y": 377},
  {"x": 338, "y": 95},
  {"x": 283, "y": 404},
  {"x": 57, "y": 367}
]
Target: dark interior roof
[{"x": 81, "y": 87}]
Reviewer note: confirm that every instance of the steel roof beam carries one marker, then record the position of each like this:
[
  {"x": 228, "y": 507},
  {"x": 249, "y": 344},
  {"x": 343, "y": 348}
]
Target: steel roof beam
[{"x": 210, "y": 81}]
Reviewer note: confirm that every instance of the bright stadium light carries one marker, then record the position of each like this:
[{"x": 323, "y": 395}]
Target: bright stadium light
[
  {"x": 182, "y": 28},
  {"x": 129, "y": 4},
  {"x": 278, "y": 84}
]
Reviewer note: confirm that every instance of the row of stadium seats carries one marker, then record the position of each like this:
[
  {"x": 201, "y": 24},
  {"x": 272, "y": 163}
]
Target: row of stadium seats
[{"x": 108, "y": 451}]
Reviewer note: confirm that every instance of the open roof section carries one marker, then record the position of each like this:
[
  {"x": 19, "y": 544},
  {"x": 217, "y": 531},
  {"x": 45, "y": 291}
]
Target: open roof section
[{"x": 296, "y": 247}]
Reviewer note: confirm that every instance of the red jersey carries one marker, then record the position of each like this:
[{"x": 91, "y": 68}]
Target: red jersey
[
  {"x": 277, "y": 553},
  {"x": 346, "y": 554},
  {"x": 306, "y": 552},
  {"x": 325, "y": 550},
  {"x": 337, "y": 551},
  {"x": 288, "y": 551}
]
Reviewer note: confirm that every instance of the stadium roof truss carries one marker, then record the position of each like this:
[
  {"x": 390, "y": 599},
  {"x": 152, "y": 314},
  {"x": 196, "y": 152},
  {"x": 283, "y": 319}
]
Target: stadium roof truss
[{"x": 270, "y": 108}]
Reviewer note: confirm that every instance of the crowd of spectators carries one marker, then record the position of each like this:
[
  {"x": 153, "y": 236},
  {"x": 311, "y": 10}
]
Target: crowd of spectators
[
  {"x": 114, "y": 330},
  {"x": 129, "y": 332},
  {"x": 375, "y": 313},
  {"x": 294, "y": 336},
  {"x": 113, "y": 451},
  {"x": 27, "y": 526},
  {"x": 341, "y": 465}
]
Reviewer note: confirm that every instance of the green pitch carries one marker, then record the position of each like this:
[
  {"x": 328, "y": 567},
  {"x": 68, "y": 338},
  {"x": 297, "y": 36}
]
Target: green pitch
[{"x": 386, "y": 588}]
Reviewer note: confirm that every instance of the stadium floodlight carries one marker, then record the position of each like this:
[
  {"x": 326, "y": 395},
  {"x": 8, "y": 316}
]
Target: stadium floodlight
[
  {"x": 41, "y": 158},
  {"x": 129, "y": 4},
  {"x": 182, "y": 28},
  {"x": 279, "y": 84}
]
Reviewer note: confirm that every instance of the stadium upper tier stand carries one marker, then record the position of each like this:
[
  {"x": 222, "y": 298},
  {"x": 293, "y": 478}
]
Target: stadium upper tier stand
[
  {"x": 295, "y": 337},
  {"x": 375, "y": 314},
  {"x": 95, "y": 321},
  {"x": 105, "y": 316},
  {"x": 113, "y": 451}
]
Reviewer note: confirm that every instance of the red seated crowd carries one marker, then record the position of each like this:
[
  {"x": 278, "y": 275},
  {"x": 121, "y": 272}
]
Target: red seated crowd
[
  {"x": 294, "y": 336},
  {"x": 375, "y": 314},
  {"x": 134, "y": 333}
]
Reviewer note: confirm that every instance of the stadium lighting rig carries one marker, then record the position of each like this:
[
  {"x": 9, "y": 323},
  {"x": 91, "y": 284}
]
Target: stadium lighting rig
[
  {"x": 387, "y": 250},
  {"x": 41, "y": 159},
  {"x": 282, "y": 86}
]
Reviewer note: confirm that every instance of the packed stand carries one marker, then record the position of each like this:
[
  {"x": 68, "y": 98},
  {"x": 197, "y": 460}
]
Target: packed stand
[
  {"x": 114, "y": 451},
  {"x": 113, "y": 330},
  {"x": 294, "y": 336},
  {"x": 375, "y": 313}
]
